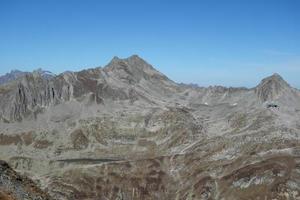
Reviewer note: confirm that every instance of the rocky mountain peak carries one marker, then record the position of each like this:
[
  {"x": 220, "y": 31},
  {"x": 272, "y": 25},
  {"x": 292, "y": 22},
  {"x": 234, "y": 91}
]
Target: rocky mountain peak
[
  {"x": 126, "y": 131},
  {"x": 115, "y": 59},
  {"x": 131, "y": 58},
  {"x": 13, "y": 75},
  {"x": 132, "y": 69},
  {"x": 44, "y": 73},
  {"x": 134, "y": 60},
  {"x": 271, "y": 87},
  {"x": 16, "y": 74},
  {"x": 275, "y": 77},
  {"x": 136, "y": 57},
  {"x": 15, "y": 71}
]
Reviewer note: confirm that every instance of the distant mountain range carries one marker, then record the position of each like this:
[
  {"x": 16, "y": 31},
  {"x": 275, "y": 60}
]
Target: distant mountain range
[
  {"x": 16, "y": 74},
  {"x": 13, "y": 75},
  {"x": 126, "y": 131}
]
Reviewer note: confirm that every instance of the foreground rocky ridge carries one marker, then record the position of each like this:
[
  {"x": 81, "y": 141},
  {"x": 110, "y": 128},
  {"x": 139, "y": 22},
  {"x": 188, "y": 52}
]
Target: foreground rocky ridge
[
  {"x": 16, "y": 187},
  {"x": 126, "y": 131}
]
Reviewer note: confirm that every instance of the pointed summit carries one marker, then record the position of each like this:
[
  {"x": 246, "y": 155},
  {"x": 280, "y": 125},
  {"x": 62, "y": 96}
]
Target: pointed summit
[
  {"x": 276, "y": 77},
  {"x": 274, "y": 80},
  {"x": 43, "y": 73},
  {"x": 13, "y": 75},
  {"x": 135, "y": 57},
  {"x": 132, "y": 69},
  {"x": 115, "y": 59},
  {"x": 271, "y": 87}
]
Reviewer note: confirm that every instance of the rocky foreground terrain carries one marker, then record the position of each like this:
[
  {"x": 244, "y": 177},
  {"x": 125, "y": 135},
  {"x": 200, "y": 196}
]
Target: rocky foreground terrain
[
  {"x": 13, "y": 186},
  {"x": 126, "y": 131}
]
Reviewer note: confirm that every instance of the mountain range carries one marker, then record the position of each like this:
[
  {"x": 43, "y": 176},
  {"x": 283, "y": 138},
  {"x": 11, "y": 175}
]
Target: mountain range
[
  {"x": 126, "y": 131},
  {"x": 17, "y": 74}
]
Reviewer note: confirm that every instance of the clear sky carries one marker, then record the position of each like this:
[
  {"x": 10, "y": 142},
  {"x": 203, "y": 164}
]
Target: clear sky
[{"x": 209, "y": 42}]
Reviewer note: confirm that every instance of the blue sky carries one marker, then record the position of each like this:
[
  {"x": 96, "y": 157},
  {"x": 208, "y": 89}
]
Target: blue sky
[{"x": 209, "y": 42}]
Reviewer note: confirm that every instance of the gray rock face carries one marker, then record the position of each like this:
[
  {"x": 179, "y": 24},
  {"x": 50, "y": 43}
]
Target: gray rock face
[
  {"x": 126, "y": 79},
  {"x": 29, "y": 96},
  {"x": 271, "y": 87}
]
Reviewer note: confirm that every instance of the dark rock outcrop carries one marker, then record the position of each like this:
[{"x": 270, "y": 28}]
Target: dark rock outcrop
[{"x": 16, "y": 187}]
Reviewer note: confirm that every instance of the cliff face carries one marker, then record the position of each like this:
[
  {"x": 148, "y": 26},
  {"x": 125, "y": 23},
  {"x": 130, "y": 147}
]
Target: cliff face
[
  {"x": 30, "y": 95},
  {"x": 127, "y": 79},
  {"x": 126, "y": 131},
  {"x": 271, "y": 88}
]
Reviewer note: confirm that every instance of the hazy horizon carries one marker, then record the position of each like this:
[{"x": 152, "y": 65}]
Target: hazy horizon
[
  {"x": 255, "y": 84},
  {"x": 230, "y": 43}
]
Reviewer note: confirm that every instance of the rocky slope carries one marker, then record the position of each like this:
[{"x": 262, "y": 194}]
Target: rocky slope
[
  {"x": 16, "y": 187},
  {"x": 126, "y": 131}
]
